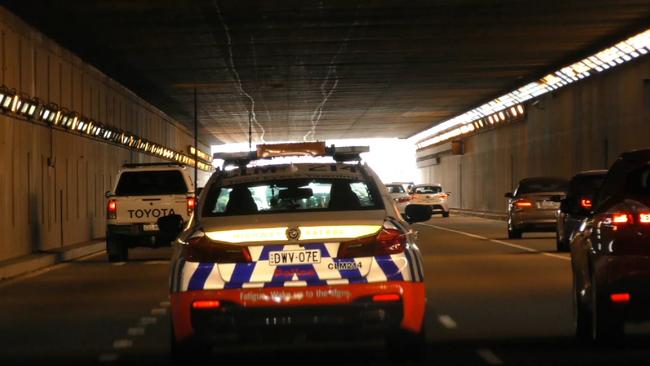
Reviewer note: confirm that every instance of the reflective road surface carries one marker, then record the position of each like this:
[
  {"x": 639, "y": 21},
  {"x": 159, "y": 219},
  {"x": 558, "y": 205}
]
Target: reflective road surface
[{"x": 491, "y": 301}]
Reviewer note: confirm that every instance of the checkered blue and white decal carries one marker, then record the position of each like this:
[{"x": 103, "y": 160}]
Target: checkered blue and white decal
[{"x": 190, "y": 276}]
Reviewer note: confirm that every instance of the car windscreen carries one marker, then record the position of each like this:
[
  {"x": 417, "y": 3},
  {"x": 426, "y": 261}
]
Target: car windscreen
[
  {"x": 585, "y": 185},
  {"x": 291, "y": 195},
  {"x": 542, "y": 185},
  {"x": 395, "y": 189},
  {"x": 428, "y": 189},
  {"x": 154, "y": 182},
  {"x": 638, "y": 182}
]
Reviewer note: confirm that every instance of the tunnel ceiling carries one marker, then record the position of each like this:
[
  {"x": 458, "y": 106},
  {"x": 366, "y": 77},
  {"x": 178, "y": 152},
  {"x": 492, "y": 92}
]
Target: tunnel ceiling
[{"x": 327, "y": 69}]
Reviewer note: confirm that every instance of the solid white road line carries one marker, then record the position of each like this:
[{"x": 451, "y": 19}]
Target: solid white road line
[
  {"x": 27, "y": 276},
  {"x": 489, "y": 357},
  {"x": 447, "y": 321},
  {"x": 501, "y": 242}
]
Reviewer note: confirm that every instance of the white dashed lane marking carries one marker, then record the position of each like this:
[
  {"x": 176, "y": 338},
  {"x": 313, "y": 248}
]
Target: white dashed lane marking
[
  {"x": 489, "y": 357},
  {"x": 147, "y": 320},
  {"x": 165, "y": 304},
  {"x": 500, "y": 242},
  {"x": 118, "y": 263},
  {"x": 122, "y": 343},
  {"x": 108, "y": 357},
  {"x": 135, "y": 331},
  {"x": 158, "y": 311},
  {"x": 447, "y": 321}
]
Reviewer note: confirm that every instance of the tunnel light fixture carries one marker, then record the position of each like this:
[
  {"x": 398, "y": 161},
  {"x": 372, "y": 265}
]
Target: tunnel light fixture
[
  {"x": 618, "y": 54},
  {"x": 25, "y": 107},
  {"x": 50, "y": 114}
]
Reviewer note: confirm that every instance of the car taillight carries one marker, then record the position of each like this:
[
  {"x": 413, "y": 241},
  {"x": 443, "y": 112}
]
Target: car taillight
[
  {"x": 386, "y": 298},
  {"x": 202, "y": 249},
  {"x": 191, "y": 204},
  {"x": 522, "y": 203},
  {"x": 402, "y": 199},
  {"x": 617, "y": 219},
  {"x": 620, "y": 298},
  {"x": 387, "y": 241},
  {"x": 644, "y": 218},
  {"x": 206, "y": 304},
  {"x": 111, "y": 209},
  {"x": 444, "y": 196},
  {"x": 585, "y": 203}
]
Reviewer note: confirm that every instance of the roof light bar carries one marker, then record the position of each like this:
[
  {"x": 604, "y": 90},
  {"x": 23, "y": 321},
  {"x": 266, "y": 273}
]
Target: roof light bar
[{"x": 618, "y": 54}]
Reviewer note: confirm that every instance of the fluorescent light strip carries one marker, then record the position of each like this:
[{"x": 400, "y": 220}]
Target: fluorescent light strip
[{"x": 618, "y": 54}]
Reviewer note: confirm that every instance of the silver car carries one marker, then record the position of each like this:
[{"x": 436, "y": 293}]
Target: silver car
[{"x": 534, "y": 204}]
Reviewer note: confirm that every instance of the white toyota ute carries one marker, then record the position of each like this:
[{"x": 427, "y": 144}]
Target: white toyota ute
[{"x": 142, "y": 194}]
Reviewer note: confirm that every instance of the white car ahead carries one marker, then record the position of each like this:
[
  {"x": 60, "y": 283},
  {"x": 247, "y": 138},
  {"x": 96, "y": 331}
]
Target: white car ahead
[
  {"x": 431, "y": 195},
  {"x": 399, "y": 195}
]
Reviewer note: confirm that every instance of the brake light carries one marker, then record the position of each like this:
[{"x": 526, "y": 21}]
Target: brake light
[
  {"x": 585, "y": 203},
  {"x": 111, "y": 209},
  {"x": 522, "y": 203},
  {"x": 191, "y": 204},
  {"x": 644, "y": 218},
  {"x": 620, "y": 298},
  {"x": 621, "y": 218},
  {"x": 386, "y": 298},
  {"x": 387, "y": 241},
  {"x": 202, "y": 249},
  {"x": 403, "y": 199},
  {"x": 206, "y": 304}
]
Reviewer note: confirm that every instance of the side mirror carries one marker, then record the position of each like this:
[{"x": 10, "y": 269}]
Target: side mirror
[
  {"x": 418, "y": 213},
  {"x": 170, "y": 227},
  {"x": 508, "y": 195},
  {"x": 108, "y": 194}
]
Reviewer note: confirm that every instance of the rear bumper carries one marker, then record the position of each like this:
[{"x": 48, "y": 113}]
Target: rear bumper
[
  {"x": 626, "y": 274},
  {"x": 132, "y": 230},
  {"x": 542, "y": 220},
  {"x": 327, "y": 309}
]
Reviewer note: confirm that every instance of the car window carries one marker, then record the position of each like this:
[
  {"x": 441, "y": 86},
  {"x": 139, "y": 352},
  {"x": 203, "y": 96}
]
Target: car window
[
  {"x": 586, "y": 185},
  {"x": 153, "y": 182},
  {"x": 638, "y": 182},
  {"x": 428, "y": 189},
  {"x": 395, "y": 189},
  {"x": 291, "y": 195},
  {"x": 542, "y": 185}
]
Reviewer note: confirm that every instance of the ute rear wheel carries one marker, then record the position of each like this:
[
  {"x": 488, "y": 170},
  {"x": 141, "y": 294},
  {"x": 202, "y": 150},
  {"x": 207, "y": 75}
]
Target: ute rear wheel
[
  {"x": 117, "y": 249},
  {"x": 514, "y": 233}
]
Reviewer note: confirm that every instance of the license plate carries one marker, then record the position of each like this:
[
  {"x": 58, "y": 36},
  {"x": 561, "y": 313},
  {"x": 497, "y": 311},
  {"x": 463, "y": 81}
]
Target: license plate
[
  {"x": 549, "y": 204},
  {"x": 288, "y": 257},
  {"x": 150, "y": 227}
]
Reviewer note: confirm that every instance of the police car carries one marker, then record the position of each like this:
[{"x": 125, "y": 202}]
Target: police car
[
  {"x": 142, "y": 194},
  {"x": 315, "y": 249}
]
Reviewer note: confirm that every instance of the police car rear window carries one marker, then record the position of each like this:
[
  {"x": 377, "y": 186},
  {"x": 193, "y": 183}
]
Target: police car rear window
[
  {"x": 291, "y": 195},
  {"x": 145, "y": 183}
]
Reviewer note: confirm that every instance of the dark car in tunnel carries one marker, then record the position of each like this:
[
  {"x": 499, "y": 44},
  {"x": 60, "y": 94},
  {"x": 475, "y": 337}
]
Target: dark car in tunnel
[
  {"x": 576, "y": 206},
  {"x": 532, "y": 207},
  {"x": 610, "y": 254}
]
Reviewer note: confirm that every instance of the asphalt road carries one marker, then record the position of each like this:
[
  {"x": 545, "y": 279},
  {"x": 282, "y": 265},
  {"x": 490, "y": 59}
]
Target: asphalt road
[{"x": 491, "y": 301}]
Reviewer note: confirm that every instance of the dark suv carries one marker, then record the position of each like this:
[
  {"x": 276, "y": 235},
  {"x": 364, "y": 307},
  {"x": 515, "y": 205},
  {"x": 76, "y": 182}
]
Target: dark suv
[
  {"x": 610, "y": 253},
  {"x": 577, "y": 205}
]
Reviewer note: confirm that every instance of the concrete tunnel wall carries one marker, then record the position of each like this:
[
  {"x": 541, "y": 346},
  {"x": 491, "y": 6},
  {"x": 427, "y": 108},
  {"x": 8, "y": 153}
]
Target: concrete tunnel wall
[
  {"x": 44, "y": 207},
  {"x": 580, "y": 127}
]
